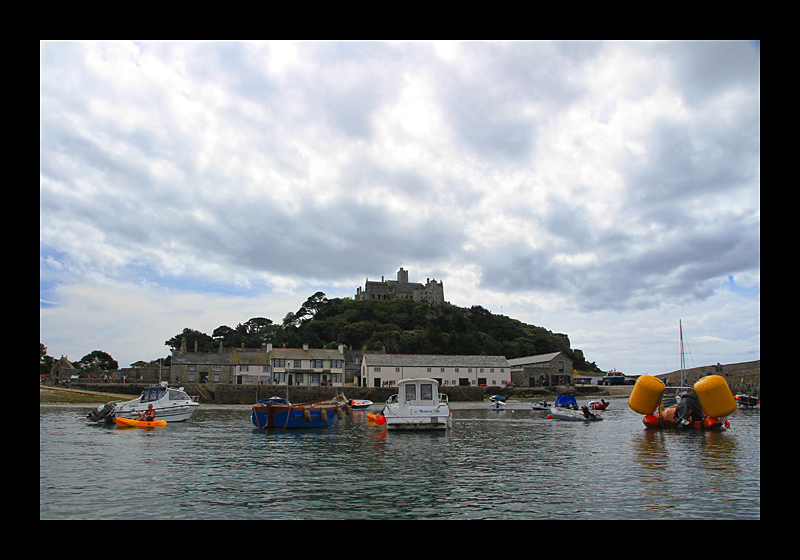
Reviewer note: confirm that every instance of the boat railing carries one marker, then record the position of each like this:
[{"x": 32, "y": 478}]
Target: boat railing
[
  {"x": 443, "y": 398},
  {"x": 392, "y": 399}
]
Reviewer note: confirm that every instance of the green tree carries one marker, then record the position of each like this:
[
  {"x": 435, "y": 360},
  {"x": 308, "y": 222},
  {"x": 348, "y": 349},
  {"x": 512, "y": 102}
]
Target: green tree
[{"x": 98, "y": 361}]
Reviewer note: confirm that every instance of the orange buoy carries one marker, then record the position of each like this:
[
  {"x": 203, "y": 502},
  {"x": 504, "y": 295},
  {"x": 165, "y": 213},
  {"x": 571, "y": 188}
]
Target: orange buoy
[
  {"x": 715, "y": 396},
  {"x": 646, "y": 394},
  {"x": 380, "y": 419},
  {"x": 549, "y": 416}
]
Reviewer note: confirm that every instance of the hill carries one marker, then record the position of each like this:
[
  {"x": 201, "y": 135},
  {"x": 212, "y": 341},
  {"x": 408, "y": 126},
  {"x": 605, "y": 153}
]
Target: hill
[
  {"x": 396, "y": 326},
  {"x": 406, "y": 327}
]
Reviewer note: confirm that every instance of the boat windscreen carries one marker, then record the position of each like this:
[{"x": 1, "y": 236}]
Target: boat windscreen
[{"x": 152, "y": 394}]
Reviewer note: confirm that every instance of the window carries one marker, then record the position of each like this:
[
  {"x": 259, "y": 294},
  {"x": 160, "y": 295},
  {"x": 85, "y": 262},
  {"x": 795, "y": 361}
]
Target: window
[
  {"x": 336, "y": 377},
  {"x": 317, "y": 364},
  {"x": 376, "y": 369},
  {"x": 441, "y": 370},
  {"x": 216, "y": 368},
  {"x": 265, "y": 369},
  {"x": 297, "y": 363},
  {"x": 426, "y": 392},
  {"x": 192, "y": 378},
  {"x": 458, "y": 369},
  {"x": 243, "y": 367},
  {"x": 216, "y": 378},
  {"x": 280, "y": 362},
  {"x": 397, "y": 370},
  {"x": 411, "y": 392},
  {"x": 337, "y": 363},
  {"x": 192, "y": 367},
  {"x": 298, "y": 378},
  {"x": 279, "y": 377},
  {"x": 429, "y": 370}
]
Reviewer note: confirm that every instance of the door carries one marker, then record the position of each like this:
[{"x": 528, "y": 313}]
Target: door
[{"x": 376, "y": 381}]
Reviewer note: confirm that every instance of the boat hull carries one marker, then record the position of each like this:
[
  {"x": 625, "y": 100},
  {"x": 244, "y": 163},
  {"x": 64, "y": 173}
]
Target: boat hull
[
  {"x": 417, "y": 418},
  {"x": 312, "y": 414},
  {"x": 128, "y": 423},
  {"x": 666, "y": 419},
  {"x": 177, "y": 413},
  {"x": 574, "y": 415}
]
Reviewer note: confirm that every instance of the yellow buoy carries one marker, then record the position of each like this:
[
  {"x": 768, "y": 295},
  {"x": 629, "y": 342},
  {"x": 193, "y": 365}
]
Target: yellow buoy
[
  {"x": 307, "y": 415},
  {"x": 715, "y": 396},
  {"x": 323, "y": 415},
  {"x": 339, "y": 413},
  {"x": 646, "y": 394}
]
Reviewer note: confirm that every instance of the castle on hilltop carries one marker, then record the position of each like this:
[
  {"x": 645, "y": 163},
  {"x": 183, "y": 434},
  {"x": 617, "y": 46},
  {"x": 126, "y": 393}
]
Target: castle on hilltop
[{"x": 432, "y": 291}]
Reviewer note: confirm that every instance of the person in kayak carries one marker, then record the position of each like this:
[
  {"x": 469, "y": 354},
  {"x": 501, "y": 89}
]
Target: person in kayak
[{"x": 148, "y": 415}]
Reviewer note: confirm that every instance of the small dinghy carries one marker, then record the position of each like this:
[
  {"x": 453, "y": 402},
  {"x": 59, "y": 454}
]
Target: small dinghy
[
  {"x": 540, "y": 405},
  {"x": 582, "y": 415},
  {"x": 602, "y": 404}
]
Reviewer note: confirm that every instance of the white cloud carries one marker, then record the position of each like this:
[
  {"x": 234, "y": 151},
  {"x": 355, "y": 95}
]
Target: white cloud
[{"x": 591, "y": 188}]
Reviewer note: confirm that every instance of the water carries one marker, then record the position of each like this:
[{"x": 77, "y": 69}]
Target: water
[{"x": 512, "y": 464}]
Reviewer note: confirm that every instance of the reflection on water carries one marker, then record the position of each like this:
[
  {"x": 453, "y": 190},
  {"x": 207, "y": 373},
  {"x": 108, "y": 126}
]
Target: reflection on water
[{"x": 509, "y": 464}]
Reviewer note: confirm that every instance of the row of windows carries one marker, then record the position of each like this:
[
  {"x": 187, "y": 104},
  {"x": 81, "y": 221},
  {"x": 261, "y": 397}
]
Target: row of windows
[
  {"x": 279, "y": 363},
  {"x": 280, "y": 377},
  {"x": 377, "y": 369}
]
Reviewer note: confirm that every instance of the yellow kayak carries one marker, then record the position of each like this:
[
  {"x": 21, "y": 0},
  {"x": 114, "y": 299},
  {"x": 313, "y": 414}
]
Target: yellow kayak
[{"x": 126, "y": 423}]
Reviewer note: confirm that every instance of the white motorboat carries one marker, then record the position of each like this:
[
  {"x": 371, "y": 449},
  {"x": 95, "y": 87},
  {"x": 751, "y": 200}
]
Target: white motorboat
[
  {"x": 360, "y": 404},
  {"x": 498, "y": 405},
  {"x": 540, "y": 405},
  {"x": 418, "y": 405},
  {"x": 171, "y": 404}
]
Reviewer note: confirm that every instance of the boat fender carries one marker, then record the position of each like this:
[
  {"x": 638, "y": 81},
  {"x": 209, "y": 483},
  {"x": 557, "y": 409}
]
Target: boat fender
[
  {"x": 323, "y": 415},
  {"x": 348, "y": 410},
  {"x": 306, "y": 415},
  {"x": 339, "y": 413},
  {"x": 715, "y": 396},
  {"x": 646, "y": 395}
]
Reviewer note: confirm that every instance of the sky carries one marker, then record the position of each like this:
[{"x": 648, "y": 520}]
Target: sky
[{"x": 606, "y": 190}]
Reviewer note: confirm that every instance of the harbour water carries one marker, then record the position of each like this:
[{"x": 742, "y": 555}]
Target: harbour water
[{"x": 510, "y": 464}]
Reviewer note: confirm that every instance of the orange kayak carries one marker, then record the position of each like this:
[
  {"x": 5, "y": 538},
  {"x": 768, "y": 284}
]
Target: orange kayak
[{"x": 127, "y": 423}]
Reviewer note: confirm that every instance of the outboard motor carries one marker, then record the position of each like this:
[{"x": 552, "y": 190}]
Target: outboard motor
[
  {"x": 688, "y": 410},
  {"x": 104, "y": 413}
]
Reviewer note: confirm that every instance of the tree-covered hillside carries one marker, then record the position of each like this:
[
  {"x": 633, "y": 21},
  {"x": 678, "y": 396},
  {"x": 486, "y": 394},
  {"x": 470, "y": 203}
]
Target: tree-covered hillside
[{"x": 398, "y": 326}]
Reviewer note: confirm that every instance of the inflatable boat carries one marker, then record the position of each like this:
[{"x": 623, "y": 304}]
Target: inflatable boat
[
  {"x": 129, "y": 423},
  {"x": 703, "y": 406},
  {"x": 602, "y": 404}
]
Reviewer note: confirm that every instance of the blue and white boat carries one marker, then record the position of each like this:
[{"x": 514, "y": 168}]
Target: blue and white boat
[{"x": 276, "y": 412}]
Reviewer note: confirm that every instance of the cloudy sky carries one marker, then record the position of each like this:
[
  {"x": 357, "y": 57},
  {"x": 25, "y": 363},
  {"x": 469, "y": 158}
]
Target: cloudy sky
[{"x": 605, "y": 190}]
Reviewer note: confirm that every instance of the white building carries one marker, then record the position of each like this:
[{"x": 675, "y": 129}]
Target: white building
[{"x": 380, "y": 370}]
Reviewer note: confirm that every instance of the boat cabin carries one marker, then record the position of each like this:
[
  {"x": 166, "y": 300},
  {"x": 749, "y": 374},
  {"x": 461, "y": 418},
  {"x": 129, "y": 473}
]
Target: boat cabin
[
  {"x": 419, "y": 392},
  {"x": 153, "y": 394}
]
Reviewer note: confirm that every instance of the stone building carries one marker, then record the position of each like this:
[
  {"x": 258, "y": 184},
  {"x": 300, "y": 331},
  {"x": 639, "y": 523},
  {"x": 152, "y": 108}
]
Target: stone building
[
  {"x": 542, "y": 370},
  {"x": 303, "y": 367},
  {"x": 380, "y": 370},
  {"x": 432, "y": 291}
]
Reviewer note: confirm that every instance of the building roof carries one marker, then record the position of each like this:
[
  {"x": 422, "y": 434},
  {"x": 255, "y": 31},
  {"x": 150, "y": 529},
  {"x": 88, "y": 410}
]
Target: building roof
[
  {"x": 433, "y": 360},
  {"x": 538, "y": 359}
]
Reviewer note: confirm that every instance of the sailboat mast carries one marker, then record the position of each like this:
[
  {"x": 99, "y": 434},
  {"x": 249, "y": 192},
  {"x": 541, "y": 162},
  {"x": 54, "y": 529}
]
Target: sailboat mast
[{"x": 683, "y": 358}]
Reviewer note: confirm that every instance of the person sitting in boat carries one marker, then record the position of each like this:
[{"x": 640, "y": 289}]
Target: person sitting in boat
[
  {"x": 586, "y": 414},
  {"x": 148, "y": 415},
  {"x": 689, "y": 409}
]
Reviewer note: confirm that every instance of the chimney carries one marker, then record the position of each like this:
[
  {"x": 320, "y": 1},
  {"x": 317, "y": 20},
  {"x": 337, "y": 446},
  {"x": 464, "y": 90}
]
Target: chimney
[
  {"x": 220, "y": 347},
  {"x": 195, "y": 347},
  {"x": 305, "y": 346},
  {"x": 269, "y": 347},
  {"x": 341, "y": 349}
]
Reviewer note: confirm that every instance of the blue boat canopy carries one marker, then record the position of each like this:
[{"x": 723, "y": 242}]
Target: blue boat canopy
[{"x": 566, "y": 401}]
